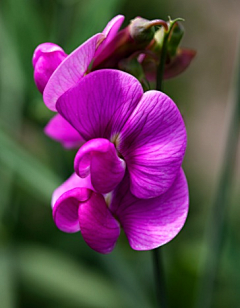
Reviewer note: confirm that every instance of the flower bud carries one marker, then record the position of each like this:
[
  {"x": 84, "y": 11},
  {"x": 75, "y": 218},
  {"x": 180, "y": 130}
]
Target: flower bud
[
  {"x": 134, "y": 38},
  {"x": 141, "y": 30},
  {"x": 174, "y": 39},
  {"x": 46, "y": 58}
]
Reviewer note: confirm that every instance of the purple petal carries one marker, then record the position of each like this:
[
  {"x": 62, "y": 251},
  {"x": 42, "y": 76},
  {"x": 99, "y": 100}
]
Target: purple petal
[
  {"x": 110, "y": 32},
  {"x": 99, "y": 158},
  {"x": 46, "y": 59},
  {"x": 70, "y": 71},
  {"x": 151, "y": 223},
  {"x": 60, "y": 130},
  {"x": 153, "y": 143},
  {"x": 65, "y": 210},
  {"x": 100, "y": 104},
  {"x": 99, "y": 228},
  {"x": 46, "y": 48},
  {"x": 72, "y": 182}
]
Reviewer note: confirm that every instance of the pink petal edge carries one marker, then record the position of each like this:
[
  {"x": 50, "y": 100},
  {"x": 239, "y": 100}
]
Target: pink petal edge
[{"x": 70, "y": 71}]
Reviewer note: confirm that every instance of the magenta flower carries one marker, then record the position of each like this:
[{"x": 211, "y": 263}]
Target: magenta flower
[
  {"x": 147, "y": 224},
  {"x": 47, "y": 58},
  {"x": 125, "y": 130},
  {"x": 56, "y": 74}
]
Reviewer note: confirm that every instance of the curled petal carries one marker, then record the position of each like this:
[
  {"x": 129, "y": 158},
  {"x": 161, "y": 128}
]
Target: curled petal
[
  {"x": 153, "y": 143},
  {"x": 72, "y": 182},
  {"x": 100, "y": 104},
  {"x": 70, "y": 71},
  {"x": 99, "y": 158},
  {"x": 46, "y": 59},
  {"x": 44, "y": 49},
  {"x": 60, "y": 130},
  {"x": 99, "y": 228},
  {"x": 110, "y": 32},
  {"x": 151, "y": 223},
  {"x": 65, "y": 210}
]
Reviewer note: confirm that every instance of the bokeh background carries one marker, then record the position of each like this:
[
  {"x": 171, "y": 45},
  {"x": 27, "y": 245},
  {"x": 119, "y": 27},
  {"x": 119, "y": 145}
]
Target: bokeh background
[{"x": 40, "y": 265}]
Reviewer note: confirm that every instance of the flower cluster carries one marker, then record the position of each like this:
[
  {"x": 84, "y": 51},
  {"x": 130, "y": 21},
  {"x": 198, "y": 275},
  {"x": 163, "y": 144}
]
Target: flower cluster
[{"x": 131, "y": 143}]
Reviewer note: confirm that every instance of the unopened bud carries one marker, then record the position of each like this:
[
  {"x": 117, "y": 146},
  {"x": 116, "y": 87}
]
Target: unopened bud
[
  {"x": 174, "y": 39},
  {"x": 142, "y": 30},
  {"x": 46, "y": 58}
]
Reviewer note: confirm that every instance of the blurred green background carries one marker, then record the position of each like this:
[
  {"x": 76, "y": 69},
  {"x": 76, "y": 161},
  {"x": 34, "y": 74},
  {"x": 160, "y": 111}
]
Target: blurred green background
[{"x": 42, "y": 266}]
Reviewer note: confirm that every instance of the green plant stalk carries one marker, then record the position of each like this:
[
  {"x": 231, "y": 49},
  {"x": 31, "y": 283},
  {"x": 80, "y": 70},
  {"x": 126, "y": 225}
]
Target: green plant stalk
[
  {"x": 159, "y": 278},
  {"x": 223, "y": 191},
  {"x": 160, "y": 69}
]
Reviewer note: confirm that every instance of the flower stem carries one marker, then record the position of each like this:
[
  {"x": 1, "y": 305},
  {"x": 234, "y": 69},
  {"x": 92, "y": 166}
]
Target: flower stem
[
  {"x": 161, "y": 66},
  {"x": 223, "y": 191},
  {"x": 159, "y": 278}
]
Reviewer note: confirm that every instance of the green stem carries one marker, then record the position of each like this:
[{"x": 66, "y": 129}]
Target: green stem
[
  {"x": 220, "y": 202},
  {"x": 159, "y": 278},
  {"x": 160, "y": 69}
]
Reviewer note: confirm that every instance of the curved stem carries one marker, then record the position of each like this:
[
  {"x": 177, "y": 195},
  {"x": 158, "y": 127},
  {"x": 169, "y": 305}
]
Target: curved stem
[{"x": 220, "y": 202}]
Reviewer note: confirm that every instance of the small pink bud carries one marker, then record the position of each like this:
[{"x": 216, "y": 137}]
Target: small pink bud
[{"x": 46, "y": 58}]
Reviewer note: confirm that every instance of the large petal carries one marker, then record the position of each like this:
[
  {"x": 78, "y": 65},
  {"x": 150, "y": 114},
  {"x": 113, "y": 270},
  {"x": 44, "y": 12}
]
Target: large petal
[
  {"x": 100, "y": 104},
  {"x": 153, "y": 143},
  {"x": 110, "y": 32},
  {"x": 70, "y": 71},
  {"x": 65, "y": 210},
  {"x": 99, "y": 228},
  {"x": 99, "y": 158},
  {"x": 60, "y": 130},
  {"x": 151, "y": 223}
]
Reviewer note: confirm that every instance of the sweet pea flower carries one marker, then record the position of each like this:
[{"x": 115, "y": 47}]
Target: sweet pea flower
[
  {"x": 48, "y": 60},
  {"x": 147, "y": 224},
  {"x": 126, "y": 131},
  {"x": 48, "y": 56},
  {"x": 57, "y": 74}
]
